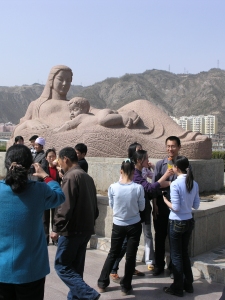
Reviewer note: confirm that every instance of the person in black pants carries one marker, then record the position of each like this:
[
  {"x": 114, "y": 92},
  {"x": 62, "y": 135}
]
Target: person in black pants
[
  {"x": 51, "y": 169},
  {"x": 160, "y": 209}
]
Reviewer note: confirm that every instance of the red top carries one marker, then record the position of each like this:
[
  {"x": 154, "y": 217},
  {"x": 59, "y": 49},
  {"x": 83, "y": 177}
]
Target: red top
[{"x": 52, "y": 174}]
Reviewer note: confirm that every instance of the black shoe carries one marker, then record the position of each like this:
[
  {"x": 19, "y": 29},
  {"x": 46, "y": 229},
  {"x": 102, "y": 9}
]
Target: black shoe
[
  {"x": 158, "y": 271},
  {"x": 189, "y": 289},
  {"x": 125, "y": 291},
  {"x": 138, "y": 273},
  {"x": 169, "y": 291}
]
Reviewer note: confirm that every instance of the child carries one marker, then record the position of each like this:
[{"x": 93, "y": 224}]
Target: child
[
  {"x": 83, "y": 116},
  {"x": 127, "y": 199},
  {"x": 81, "y": 150}
]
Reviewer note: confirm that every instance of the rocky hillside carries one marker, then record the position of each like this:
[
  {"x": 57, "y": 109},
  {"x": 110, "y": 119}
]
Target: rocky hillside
[
  {"x": 181, "y": 94},
  {"x": 15, "y": 100}
]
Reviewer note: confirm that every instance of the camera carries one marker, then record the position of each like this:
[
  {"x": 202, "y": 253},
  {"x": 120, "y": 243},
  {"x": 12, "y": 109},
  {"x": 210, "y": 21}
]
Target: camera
[
  {"x": 164, "y": 193},
  {"x": 32, "y": 170}
]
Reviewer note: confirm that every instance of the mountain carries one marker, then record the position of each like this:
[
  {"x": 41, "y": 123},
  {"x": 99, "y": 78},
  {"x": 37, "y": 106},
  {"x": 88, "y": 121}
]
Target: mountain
[
  {"x": 176, "y": 94},
  {"x": 15, "y": 100}
]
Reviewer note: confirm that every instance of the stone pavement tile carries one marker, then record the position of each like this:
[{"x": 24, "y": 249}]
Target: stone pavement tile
[{"x": 144, "y": 288}]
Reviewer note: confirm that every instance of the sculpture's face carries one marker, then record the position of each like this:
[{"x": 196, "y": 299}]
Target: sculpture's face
[
  {"x": 62, "y": 82},
  {"x": 75, "y": 110}
]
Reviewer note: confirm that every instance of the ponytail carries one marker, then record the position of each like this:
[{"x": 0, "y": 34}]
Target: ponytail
[
  {"x": 132, "y": 149},
  {"x": 189, "y": 179},
  {"x": 17, "y": 162},
  {"x": 183, "y": 164},
  {"x": 128, "y": 167}
]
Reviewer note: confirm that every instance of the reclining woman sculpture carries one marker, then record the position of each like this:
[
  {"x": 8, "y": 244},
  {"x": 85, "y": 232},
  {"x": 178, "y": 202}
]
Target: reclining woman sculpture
[
  {"x": 139, "y": 120},
  {"x": 50, "y": 109}
]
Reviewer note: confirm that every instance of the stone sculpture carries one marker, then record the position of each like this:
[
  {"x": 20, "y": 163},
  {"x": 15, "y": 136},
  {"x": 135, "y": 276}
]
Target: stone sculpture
[{"x": 106, "y": 132}]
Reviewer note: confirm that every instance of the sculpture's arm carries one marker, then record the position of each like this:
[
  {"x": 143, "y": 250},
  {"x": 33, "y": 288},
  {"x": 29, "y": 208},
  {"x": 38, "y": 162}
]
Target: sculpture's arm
[
  {"x": 94, "y": 110},
  {"x": 29, "y": 113},
  {"x": 71, "y": 124}
]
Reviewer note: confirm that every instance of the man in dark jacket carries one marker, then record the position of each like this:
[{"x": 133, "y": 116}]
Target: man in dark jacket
[
  {"x": 74, "y": 224},
  {"x": 160, "y": 209}
]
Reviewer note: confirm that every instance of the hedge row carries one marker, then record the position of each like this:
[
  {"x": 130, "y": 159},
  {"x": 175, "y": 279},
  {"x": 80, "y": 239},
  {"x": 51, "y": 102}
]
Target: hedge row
[
  {"x": 219, "y": 154},
  {"x": 3, "y": 148}
]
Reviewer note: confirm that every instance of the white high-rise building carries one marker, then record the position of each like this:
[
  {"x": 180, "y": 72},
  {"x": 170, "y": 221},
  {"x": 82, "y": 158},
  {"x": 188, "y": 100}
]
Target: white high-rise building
[
  {"x": 211, "y": 125},
  {"x": 203, "y": 124},
  {"x": 197, "y": 123}
]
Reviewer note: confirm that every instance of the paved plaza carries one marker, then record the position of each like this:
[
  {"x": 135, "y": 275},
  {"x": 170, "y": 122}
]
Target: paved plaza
[{"x": 144, "y": 288}]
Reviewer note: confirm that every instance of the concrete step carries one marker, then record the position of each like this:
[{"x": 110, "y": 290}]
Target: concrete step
[{"x": 209, "y": 266}]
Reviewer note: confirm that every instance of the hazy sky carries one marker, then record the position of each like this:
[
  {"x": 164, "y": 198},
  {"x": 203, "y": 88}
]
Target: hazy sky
[{"x": 108, "y": 38}]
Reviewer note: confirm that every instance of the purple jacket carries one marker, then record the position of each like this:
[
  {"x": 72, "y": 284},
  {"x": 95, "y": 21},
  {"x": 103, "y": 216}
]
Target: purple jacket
[{"x": 150, "y": 189}]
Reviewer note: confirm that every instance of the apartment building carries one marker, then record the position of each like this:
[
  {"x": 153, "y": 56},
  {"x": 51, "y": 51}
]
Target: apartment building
[
  {"x": 211, "y": 125},
  {"x": 203, "y": 124}
]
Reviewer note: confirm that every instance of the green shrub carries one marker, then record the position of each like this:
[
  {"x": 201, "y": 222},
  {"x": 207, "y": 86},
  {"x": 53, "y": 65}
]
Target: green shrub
[
  {"x": 2, "y": 148},
  {"x": 220, "y": 155}
]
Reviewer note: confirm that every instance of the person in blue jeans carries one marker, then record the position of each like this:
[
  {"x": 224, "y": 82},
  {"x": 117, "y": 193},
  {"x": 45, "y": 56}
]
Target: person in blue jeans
[
  {"x": 127, "y": 199},
  {"x": 73, "y": 226},
  {"x": 184, "y": 195}
]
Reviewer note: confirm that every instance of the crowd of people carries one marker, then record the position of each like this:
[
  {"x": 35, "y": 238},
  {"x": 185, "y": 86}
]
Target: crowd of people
[{"x": 48, "y": 197}]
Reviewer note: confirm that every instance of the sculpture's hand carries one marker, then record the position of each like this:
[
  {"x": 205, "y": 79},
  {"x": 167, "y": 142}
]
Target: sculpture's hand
[
  {"x": 36, "y": 125},
  {"x": 135, "y": 117},
  {"x": 130, "y": 118},
  {"x": 39, "y": 126},
  {"x": 62, "y": 128}
]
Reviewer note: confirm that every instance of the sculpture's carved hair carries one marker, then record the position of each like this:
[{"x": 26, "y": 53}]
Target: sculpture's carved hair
[{"x": 80, "y": 102}]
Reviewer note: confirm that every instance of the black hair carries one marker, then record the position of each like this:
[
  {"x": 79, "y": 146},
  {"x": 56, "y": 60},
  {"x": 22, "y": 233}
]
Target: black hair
[
  {"x": 18, "y": 138},
  {"x": 128, "y": 167},
  {"x": 183, "y": 164},
  {"x": 70, "y": 153},
  {"x": 139, "y": 155},
  {"x": 174, "y": 138},
  {"x": 33, "y": 138},
  {"x": 132, "y": 149},
  {"x": 16, "y": 176},
  {"x": 50, "y": 150},
  {"x": 81, "y": 147}
]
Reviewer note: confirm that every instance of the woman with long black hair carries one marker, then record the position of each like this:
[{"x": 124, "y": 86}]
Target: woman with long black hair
[
  {"x": 23, "y": 252},
  {"x": 184, "y": 195}
]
